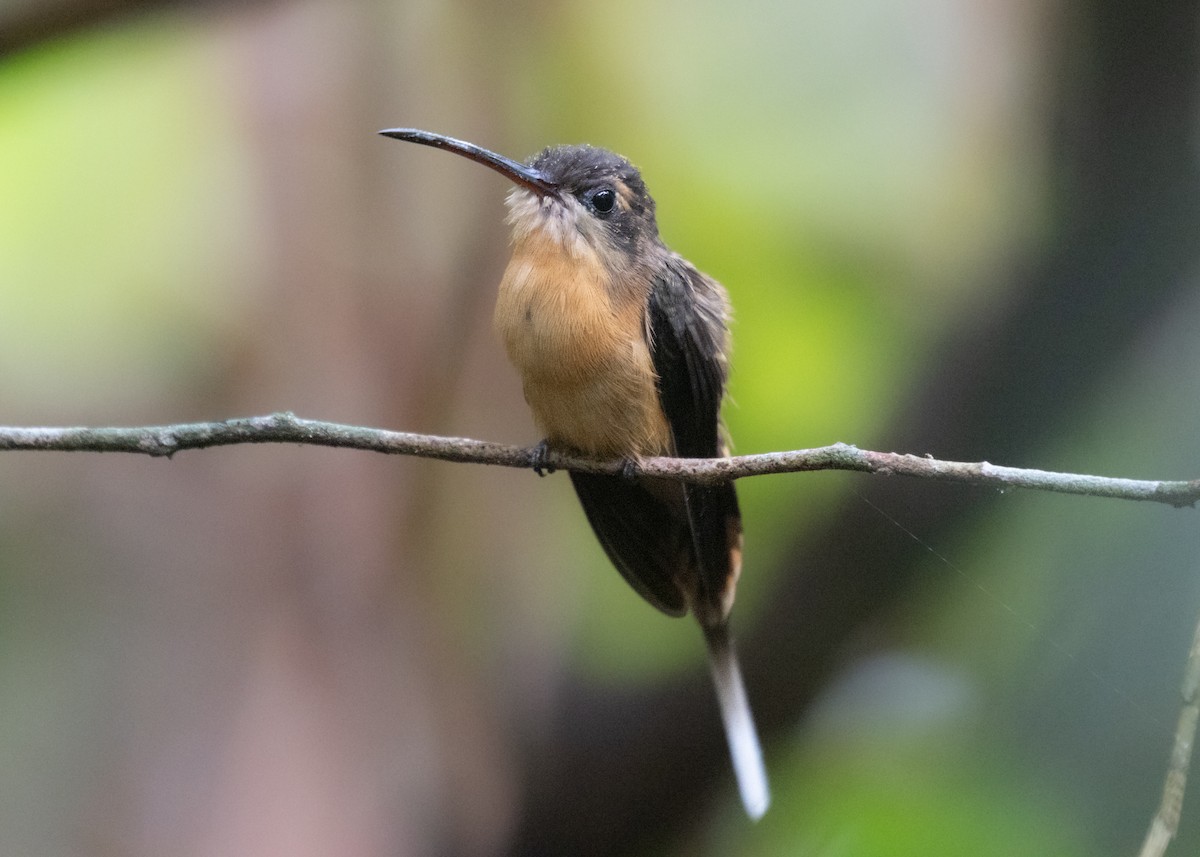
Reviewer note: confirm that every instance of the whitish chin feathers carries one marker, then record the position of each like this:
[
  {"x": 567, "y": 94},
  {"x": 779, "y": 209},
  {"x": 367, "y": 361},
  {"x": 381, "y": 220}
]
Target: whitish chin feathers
[{"x": 553, "y": 217}]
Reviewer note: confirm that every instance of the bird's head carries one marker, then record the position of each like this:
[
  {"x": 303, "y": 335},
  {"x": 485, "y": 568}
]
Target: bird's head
[{"x": 582, "y": 198}]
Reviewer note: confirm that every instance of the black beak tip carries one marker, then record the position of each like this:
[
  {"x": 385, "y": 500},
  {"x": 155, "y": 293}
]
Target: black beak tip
[{"x": 400, "y": 133}]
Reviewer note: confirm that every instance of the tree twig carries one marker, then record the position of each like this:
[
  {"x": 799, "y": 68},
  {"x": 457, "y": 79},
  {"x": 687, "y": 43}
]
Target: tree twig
[
  {"x": 1166, "y": 821},
  {"x": 288, "y": 428}
]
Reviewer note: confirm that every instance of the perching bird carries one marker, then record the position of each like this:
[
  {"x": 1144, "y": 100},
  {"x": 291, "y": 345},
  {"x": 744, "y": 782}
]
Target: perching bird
[{"x": 622, "y": 349}]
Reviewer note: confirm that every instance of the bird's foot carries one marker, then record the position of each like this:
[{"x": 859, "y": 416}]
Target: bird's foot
[
  {"x": 538, "y": 456},
  {"x": 629, "y": 469}
]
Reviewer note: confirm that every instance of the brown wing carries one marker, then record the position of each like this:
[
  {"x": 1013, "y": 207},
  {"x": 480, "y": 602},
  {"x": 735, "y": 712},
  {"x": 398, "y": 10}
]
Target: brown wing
[
  {"x": 687, "y": 319},
  {"x": 642, "y": 535}
]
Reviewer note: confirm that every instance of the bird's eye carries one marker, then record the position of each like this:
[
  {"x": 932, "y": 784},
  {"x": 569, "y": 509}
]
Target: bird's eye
[{"x": 603, "y": 200}]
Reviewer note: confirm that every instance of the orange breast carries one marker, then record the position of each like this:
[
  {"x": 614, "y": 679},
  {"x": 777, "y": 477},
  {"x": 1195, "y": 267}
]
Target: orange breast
[{"x": 581, "y": 352}]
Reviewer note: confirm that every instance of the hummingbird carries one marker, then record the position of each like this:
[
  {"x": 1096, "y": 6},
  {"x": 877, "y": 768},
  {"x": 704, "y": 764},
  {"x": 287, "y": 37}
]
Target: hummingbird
[{"x": 622, "y": 347}]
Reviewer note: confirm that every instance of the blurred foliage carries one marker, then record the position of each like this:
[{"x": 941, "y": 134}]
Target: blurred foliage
[
  {"x": 893, "y": 795},
  {"x": 858, "y": 177},
  {"x": 115, "y": 245}
]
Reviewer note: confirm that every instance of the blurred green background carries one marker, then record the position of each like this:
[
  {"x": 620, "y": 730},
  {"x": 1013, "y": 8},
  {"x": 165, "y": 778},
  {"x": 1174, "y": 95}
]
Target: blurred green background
[{"x": 968, "y": 230}]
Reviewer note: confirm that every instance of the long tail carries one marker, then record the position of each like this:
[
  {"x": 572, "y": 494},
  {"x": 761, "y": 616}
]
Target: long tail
[{"x": 739, "y": 722}]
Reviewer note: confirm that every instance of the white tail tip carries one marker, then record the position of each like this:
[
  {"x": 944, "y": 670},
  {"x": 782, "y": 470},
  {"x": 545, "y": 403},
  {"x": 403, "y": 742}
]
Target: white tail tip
[{"x": 739, "y": 725}]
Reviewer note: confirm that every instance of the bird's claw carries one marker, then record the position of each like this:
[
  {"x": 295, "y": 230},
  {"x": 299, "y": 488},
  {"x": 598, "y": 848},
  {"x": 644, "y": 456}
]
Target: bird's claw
[
  {"x": 538, "y": 456},
  {"x": 629, "y": 469}
]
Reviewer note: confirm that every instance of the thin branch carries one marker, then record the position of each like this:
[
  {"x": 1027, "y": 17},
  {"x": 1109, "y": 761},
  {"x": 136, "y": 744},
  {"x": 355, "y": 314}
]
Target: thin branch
[
  {"x": 1166, "y": 821},
  {"x": 288, "y": 428}
]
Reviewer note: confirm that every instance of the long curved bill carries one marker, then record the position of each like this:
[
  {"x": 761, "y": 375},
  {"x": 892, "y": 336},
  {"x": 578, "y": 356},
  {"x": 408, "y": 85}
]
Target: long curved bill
[{"x": 513, "y": 170}]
